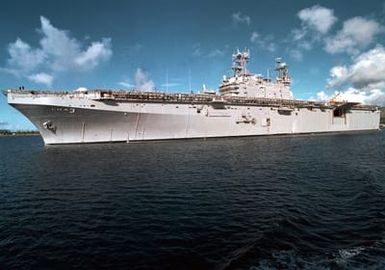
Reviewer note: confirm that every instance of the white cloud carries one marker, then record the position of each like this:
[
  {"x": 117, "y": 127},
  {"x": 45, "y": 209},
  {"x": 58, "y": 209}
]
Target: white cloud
[
  {"x": 373, "y": 96},
  {"x": 367, "y": 70},
  {"x": 318, "y": 18},
  {"x": 58, "y": 51},
  {"x": 364, "y": 78},
  {"x": 23, "y": 58},
  {"x": 239, "y": 18},
  {"x": 96, "y": 53},
  {"x": 339, "y": 76},
  {"x": 356, "y": 33},
  {"x": 263, "y": 42},
  {"x": 142, "y": 82},
  {"x": 316, "y": 23},
  {"x": 321, "y": 95},
  {"x": 66, "y": 53},
  {"x": 42, "y": 78},
  {"x": 58, "y": 45},
  {"x": 370, "y": 97}
]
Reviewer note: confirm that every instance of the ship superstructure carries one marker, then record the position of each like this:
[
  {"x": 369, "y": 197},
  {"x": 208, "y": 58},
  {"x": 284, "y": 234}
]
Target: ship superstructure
[
  {"x": 245, "y": 84},
  {"x": 247, "y": 105}
]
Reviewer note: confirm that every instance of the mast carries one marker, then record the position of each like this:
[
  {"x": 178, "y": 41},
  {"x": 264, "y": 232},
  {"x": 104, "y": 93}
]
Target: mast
[
  {"x": 240, "y": 60},
  {"x": 282, "y": 71}
]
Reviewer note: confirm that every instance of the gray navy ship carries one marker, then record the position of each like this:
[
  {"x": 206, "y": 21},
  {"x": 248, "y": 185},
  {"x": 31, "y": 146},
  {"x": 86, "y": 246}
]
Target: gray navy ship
[{"x": 246, "y": 105}]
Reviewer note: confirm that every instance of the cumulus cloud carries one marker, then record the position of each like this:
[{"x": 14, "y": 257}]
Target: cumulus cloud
[
  {"x": 364, "y": 78},
  {"x": 316, "y": 21},
  {"x": 373, "y": 96},
  {"x": 339, "y": 76},
  {"x": 58, "y": 45},
  {"x": 239, "y": 18},
  {"x": 367, "y": 69},
  {"x": 58, "y": 52},
  {"x": 318, "y": 18},
  {"x": 142, "y": 81},
  {"x": 65, "y": 52},
  {"x": 263, "y": 42},
  {"x": 41, "y": 78},
  {"x": 23, "y": 58},
  {"x": 370, "y": 97},
  {"x": 357, "y": 33},
  {"x": 321, "y": 95},
  {"x": 96, "y": 53}
]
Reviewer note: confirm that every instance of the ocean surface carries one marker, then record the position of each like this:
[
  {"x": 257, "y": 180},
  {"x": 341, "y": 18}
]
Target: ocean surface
[{"x": 308, "y": 202}]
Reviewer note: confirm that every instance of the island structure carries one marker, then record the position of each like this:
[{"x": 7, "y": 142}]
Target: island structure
[{"x": 246, "y": 105}]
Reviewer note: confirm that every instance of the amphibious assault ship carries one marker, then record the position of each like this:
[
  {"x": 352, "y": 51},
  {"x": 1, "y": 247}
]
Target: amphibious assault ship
[{"x": 247, "y": 105}]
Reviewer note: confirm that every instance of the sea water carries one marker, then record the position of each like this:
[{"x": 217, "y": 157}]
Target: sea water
[{"x": 314, "y": 201}]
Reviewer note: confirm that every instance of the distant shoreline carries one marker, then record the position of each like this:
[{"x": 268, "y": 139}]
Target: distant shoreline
[{"x": 16, "y": 134}]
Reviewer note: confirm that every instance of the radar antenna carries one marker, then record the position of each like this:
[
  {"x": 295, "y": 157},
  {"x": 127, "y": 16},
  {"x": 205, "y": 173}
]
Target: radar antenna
[
  {"x": 240, "y": 60},
  {"x": 282, "y": 71}
]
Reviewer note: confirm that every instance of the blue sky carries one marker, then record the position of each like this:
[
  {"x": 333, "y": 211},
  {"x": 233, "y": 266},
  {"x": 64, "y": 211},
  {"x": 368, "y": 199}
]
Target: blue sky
[{"x": 329, "y": 45}]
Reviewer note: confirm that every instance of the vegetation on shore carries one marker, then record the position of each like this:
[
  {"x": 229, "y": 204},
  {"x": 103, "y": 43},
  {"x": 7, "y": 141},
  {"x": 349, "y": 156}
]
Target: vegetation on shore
[{"x": 7, "y": 132}]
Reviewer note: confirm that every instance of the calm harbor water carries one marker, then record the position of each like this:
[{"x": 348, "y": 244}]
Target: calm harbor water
[{"x": 245, "y": 203}]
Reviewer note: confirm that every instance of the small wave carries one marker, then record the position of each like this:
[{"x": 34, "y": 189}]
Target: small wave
[
  {"x": 193, "y": 205},
  {"x": 346, "y": 254}
]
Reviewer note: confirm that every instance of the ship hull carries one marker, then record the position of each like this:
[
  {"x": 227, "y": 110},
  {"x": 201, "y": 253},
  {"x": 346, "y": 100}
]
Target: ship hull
[
  {"x": 248, "y": 105},
  {"x": 133, "y": 122}
]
